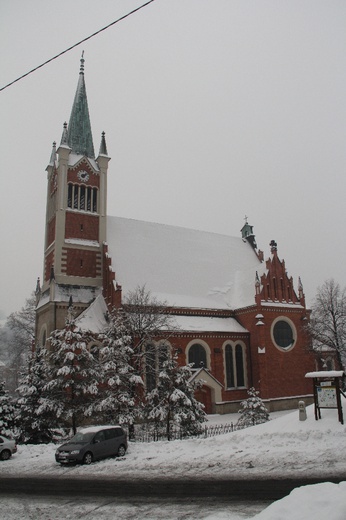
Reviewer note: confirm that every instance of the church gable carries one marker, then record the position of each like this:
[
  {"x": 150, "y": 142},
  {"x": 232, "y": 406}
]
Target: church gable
[{"x": 277, "y": 286}]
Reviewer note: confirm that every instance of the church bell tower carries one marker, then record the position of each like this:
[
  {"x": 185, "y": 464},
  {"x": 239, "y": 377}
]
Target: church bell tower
[{"x": 76, "y": 216}]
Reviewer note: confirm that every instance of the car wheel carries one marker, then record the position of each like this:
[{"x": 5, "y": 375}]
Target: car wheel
[
  {"x": 5, "y": 455},
  {"x": 88, "y": 458},
  {"x": 121, "y": 451}
]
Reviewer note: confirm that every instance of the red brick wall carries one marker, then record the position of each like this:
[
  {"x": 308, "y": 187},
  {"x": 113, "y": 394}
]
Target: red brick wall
[
  {"x": 80, "y": 262},
  {"x": 51, "y": 231},
  {"x": 277, "y": 372},
  {"x": 82, "y": 226},
  {"x": 49, "y": 261}
]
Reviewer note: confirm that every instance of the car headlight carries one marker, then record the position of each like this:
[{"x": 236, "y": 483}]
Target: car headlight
[{"x": 74, "y": 452}]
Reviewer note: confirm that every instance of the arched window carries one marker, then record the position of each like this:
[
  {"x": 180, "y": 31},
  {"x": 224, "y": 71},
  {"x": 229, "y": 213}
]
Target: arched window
[
  {"x": 198, "y": 356},
  {"x": 235, "y": 366},
  {"x": 239, "y": 362},
  {"x": 229, "y": 366}
]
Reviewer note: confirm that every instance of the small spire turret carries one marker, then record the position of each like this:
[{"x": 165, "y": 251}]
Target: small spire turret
[
  {"x": 53, "y": 155},
  {"x": 64, "y": 137},
  {"x": 103, "y": 146}
]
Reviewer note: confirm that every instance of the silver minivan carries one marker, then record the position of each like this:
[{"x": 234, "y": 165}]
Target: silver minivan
[
  {"x": 93, "y": 443},
  {"x": 7, "y": 448}
]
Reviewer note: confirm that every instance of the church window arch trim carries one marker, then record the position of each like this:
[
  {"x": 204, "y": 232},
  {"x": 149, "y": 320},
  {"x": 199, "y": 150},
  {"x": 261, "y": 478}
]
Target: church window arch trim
[{"x": 198, "y": 352}]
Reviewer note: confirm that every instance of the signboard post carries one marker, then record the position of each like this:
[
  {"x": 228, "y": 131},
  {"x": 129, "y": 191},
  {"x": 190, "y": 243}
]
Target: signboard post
[{"x": 327, "y": 391}]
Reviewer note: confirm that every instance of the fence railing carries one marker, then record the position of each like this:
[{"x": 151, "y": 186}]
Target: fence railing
[{"x": 143, "y": 433}]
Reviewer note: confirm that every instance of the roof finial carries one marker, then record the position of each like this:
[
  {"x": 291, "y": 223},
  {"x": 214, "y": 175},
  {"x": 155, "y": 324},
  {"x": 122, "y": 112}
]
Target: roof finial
[
  {"x": 273, "y": 246},
  {"x": 82, "y": 60}
]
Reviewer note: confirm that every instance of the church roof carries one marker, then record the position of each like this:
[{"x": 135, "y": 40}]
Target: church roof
[
  {"x": 94, "y": 318},
  {"x": 184, "y": 267},
  {"x": 79, "y": 136}
]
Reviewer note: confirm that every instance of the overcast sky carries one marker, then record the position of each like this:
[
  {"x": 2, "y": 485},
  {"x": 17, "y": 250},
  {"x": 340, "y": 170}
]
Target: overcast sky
[{"x": 213, "y": 110}]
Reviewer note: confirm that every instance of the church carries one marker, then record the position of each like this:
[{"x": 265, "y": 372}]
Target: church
[{"x": 239, "y": 319}]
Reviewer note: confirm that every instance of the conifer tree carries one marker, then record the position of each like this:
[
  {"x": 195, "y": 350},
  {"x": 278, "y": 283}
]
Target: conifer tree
[
  {"x": 253, "y": 410},
  {"x": 33, "y": 421},
  {"x": 7, "y": 413},
  {"x": 172, "y": 402},
  {"x": 116, "y": 401},
  {"x": 74, "y": 375}
]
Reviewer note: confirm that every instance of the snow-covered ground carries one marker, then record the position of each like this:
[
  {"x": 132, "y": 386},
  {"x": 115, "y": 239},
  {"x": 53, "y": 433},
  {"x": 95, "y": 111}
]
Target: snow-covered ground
[{"x": 282, "y": 448}]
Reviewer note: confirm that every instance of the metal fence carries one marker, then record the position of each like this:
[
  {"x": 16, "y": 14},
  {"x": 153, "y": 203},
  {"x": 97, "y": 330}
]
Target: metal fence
[{"x": 146, "y": 433}]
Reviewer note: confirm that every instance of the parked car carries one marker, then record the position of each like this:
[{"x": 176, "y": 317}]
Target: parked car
[
  {"x": 7, "y": 447},
  {"x": 93, "y": 443}
]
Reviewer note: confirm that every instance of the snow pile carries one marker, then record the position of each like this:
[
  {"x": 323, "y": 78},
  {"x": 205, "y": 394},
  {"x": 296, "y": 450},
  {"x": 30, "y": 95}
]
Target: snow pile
[
  {"x": 316, "y": 502},
  {"x": 284, "y": 447}
]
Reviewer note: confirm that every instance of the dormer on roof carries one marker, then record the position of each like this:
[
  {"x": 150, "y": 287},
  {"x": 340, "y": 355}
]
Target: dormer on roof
[{"x": 248, "y": 234}]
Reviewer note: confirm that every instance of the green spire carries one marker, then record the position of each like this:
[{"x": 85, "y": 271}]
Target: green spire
[{"x": 79, "y": 129}]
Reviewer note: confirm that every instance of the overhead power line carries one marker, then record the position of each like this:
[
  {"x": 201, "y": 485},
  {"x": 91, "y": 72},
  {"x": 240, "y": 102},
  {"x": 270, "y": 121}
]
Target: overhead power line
[{"x": 78, "y": 43}]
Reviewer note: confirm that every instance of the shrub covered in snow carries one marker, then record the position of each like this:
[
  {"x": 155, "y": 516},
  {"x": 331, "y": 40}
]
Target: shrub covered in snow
[
  {"x": 252, "y": 410},
  {"x": 7, "y": 413}
]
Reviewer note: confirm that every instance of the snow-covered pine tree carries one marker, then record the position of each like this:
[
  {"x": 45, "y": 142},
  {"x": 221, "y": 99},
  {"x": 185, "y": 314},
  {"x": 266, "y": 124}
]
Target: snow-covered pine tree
[
  {"x": 34, "y": 422},
  {"x": 7, "y": 413},
  {"x": 172, "y": 402},
  {"x": 74, "y": 375},
  {"x": 253, "y": 410},
  {"x": 116, "y": 401}
]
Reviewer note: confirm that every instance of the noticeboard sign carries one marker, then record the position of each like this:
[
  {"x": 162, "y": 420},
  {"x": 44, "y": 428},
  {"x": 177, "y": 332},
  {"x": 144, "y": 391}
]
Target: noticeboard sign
[
  {"x": 327, "y": 391},
  {"x": 326, "y": 396}
]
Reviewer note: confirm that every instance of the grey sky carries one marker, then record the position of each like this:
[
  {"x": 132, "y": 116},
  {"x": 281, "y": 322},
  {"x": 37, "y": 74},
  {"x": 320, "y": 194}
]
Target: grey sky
[{"x": 212, "y": 109}]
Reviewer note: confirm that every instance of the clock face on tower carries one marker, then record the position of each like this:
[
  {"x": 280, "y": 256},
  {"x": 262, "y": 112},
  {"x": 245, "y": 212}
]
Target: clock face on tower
[{"x": 83, "y": 176}]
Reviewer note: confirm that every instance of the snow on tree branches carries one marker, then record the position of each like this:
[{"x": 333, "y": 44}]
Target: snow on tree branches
[
  {"x": 172, "y": 402},
  {"x": 252, "y": 410}
]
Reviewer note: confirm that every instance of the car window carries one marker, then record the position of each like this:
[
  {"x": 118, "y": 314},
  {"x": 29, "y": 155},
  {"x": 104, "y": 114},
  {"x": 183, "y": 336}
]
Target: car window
[
  {"x": 100, "y": 436},
  {"x": 118, "y": 432},
  {"x": 2, "y": 440},
  {"x": 110, "y": 434},
  {"x": 82, "y": 437}
]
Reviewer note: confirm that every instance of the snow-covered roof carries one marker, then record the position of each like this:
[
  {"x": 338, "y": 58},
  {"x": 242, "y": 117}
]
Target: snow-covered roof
[
  {"x": 184, "y": 267},
  {"x": 93, "y": 319},
  {"x": 326, "y": 373},
  {"x": 62, "y": 293},
  {"x": 205, "y": 323},
  {"x": 75, "y": 158}
]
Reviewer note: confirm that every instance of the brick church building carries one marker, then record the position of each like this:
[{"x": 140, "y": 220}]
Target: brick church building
[{"x": 239, "y": 317}]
